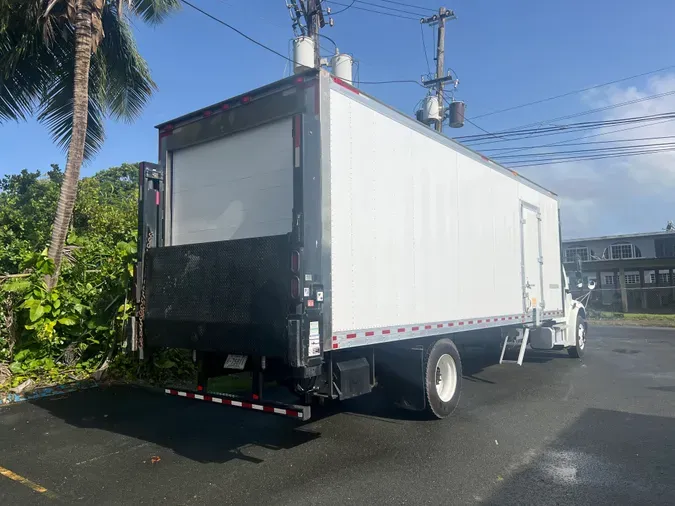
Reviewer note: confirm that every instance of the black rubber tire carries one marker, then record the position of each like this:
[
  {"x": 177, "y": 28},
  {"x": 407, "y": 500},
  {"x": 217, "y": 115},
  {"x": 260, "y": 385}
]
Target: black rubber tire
[
  {"x": 578, "y": 351},
  {"x": 435, "y": 407}
]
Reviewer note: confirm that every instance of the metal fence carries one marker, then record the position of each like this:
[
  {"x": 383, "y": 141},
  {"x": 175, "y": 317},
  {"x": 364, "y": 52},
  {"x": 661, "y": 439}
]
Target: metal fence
[{"x": 654, "y": 299}]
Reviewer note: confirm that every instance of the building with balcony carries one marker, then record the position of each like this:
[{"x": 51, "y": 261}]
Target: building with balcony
[{"x": 634, "y": 272}]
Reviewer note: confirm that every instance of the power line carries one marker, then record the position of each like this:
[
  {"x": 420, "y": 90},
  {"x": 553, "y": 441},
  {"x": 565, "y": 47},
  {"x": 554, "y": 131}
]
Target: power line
[
  {"x": 345, "y": 9},
  {"x": 394, "y": 82},
  {"x": 580, "y": 152},
  {"x": 424, "y": 48},
  {"x": 371, "y": 4},
  {"x": 566, "y": 128},
  {"x": 566, "y": 141},
  {"x": 584, "y": 113},
  {"x": 250, "y": 39},
  {"x": 574, "y": 92},
  {"x": 599, "y": 157},
  {"x": 420, "y": 7},
  {"x": 376, "y": 12},
  {"x": 635, "y": 139}
]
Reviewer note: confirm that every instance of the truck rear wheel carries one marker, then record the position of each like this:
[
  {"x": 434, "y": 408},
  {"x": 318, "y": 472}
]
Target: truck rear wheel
[
  {"x": 580, "y": 332},
  {"x": 443, "y": 378}
]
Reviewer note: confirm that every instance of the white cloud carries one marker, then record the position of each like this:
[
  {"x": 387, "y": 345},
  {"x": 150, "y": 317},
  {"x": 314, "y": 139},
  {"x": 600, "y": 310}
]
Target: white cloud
[{"x": 623, "y": 194}]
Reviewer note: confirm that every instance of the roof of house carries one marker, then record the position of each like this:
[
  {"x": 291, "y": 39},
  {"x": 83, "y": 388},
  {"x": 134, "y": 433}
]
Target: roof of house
[{"x": 622, "y": 236}]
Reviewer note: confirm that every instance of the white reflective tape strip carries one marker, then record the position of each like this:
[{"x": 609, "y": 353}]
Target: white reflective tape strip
[
  {"x": 280, "y": 411},
  {"x": 200, "y": 397},
  {"x": 297, "y": 156},
  {"x": 257, "y": 406},
  {"x": 235, "y": 403},
  {"x": 182, "y": 394},
  {"x": 217, "y": 399},
  {"x": 167, "y": 391}
]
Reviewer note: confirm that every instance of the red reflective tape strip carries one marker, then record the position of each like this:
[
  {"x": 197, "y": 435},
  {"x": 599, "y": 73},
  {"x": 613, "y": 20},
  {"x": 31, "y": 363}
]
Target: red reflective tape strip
[
  {"x": 478, "y": 321},
  {"x": 156, "y": 197},
  {"x": 268, "y": 409},
  {"x": 451, "y": 324},
  {"x": 345, "y": 85},
  {"x": 470, "y": 322},
  {"x": 172, "y": 392},
  {"x": 208, "y": 398},
  {"x": 510, "y": 317},
  {"x": 461, "y": 323},
  {"x": 351, "y": 336},
  {"x": 297, "y": 133},
  {"x": 370, "y": 333},
  {"x": 440, "y": 325},
  {"x": 247, "y": 405},
  {"x": 503, "y": 318},
  {"x": 415, "y": 328},
  {"x": 334, "y": 338},
  {"x": 335, "y": 346},
  {"x": 427, "y": 327},
  {"x": 386, "y": 331},
  {"x": 401, "y": 330},
  {"x": 189, "y": 395}
]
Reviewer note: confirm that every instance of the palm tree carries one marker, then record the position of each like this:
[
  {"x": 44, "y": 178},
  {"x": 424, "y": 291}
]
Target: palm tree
[{"x": 70, "y": 63}]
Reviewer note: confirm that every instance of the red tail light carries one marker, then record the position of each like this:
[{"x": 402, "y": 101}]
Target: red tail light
[
  {"x": 295, "y": 287},
  {"x": 295, "y": 262}
]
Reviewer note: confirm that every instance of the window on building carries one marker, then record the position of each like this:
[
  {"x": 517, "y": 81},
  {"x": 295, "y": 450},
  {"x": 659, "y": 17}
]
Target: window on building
[
  {"x": 624, "y": 250},
  {"x": 571, "y": 254},
  {"x": 632, "y": 279},
  {"x": 652, "y": 277},
  {"x": 609, "y": 280},
  {"x": 664, "y": 278}
]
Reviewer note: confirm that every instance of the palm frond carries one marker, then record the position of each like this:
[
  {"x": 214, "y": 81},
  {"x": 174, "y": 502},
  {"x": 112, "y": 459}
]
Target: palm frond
[
  {"x": 153, "y": 11},
  {"x": 128, "y": 84},
  {"x": 56, "y": 106},
  {"x": 25, "y": 61}
]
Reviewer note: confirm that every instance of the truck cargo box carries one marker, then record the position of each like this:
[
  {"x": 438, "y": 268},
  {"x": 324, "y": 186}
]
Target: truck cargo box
[{"x": 307, "y": 217}]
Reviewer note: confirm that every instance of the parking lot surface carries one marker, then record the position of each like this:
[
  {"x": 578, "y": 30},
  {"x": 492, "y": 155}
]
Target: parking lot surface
[{"x": 557, "y": 430}]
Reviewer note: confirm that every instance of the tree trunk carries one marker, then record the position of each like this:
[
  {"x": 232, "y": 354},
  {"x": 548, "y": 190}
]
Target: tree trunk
[{"x": 64, "y": 210}]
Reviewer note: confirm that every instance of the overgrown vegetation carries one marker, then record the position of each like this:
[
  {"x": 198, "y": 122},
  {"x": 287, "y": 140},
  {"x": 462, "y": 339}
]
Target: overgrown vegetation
[
  {"x": 77, "y": 327},
  {"x": 639, "y": 319}
]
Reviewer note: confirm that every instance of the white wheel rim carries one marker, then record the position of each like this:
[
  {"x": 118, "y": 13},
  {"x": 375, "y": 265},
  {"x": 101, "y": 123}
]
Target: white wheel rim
[
  {"x": 446, "y": 377},
  {"x": 581, "y": 335}
]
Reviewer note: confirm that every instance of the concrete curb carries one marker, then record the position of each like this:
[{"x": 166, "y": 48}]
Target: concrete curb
[{"x": 7, "y": 398}]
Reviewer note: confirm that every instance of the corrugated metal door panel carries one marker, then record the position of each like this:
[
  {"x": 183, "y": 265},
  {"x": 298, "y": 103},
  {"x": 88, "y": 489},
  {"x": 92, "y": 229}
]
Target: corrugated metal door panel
[
  {"x": 236, "y": 187},
  {"x": 413, "y": 239}
]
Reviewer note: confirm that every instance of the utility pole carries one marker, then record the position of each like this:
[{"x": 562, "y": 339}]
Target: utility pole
[
  {"x": 439, "y": 82},
  {"x": 314, "y": 19},
  {"x": 440, "y": 64}
]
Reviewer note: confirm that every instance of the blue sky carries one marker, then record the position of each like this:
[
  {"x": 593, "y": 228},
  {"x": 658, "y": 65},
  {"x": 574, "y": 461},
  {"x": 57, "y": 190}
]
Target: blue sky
[{"x": 505, "y": 53}]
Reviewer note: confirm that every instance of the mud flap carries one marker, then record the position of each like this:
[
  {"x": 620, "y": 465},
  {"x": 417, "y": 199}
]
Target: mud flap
[{"x": 401, "y": 373}]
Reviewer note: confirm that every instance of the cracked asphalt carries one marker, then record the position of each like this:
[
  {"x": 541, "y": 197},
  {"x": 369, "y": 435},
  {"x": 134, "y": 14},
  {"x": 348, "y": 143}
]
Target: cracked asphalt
[{"x": 595, "y": 431}]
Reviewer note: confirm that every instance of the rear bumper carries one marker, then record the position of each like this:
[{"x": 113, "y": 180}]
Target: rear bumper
[{"x": 296, "y": 411}]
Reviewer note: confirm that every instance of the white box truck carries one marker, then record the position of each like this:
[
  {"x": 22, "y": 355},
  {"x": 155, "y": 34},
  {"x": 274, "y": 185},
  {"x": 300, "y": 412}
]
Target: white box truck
[{"x": 320, "y": 239}]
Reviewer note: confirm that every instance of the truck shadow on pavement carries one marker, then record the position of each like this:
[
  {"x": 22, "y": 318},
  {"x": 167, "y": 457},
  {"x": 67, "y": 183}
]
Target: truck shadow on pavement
[
  {"x": 196, "y": 430},
  {"x": 604, "y": 457}
]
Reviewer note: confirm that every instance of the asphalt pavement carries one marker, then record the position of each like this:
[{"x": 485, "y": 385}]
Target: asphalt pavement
[{"x": 555, "y": 431}]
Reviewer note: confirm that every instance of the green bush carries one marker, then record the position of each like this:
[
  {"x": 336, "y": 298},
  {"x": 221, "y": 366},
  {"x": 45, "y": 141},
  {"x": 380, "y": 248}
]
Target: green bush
[{"x": 67, "y": 333}]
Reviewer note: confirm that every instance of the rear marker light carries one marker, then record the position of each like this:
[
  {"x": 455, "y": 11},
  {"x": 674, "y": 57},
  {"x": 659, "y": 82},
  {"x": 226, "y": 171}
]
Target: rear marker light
[
  {"x": 245, "y": 100},
  {"x": 225, "y": 107},
  {"x": 295, "y": 287},
  {"x": 295, "y": 262}
]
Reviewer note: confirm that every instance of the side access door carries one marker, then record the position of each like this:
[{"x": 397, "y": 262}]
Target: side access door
[{"x": 532, "y": 261}]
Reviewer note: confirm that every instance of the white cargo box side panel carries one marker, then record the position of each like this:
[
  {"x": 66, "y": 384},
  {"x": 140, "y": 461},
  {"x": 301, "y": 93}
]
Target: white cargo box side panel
[
  {"x": 235, "y": 187},
  {"x": 420, "y": 232}
]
